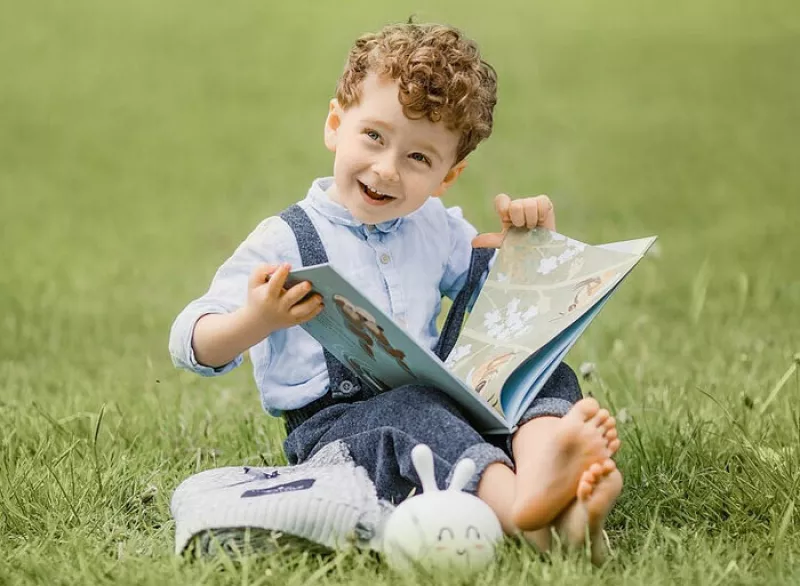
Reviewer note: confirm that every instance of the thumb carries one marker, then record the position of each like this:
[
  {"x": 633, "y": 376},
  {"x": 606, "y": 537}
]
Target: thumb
[{"x": 489, "y": 240}]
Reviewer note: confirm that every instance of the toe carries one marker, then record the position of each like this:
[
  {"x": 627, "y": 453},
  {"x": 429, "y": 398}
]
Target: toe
[
  {"x": 608, "y": 466},
  {"x": 613, "y": 446},
  {"x": 609, "y": 424},
  {"x": 596, "y": 469},
  {"x": 586, "y": 408},
  {"x": 584, "y": 488},
  {"x": 601, "y": 417},
  {"x": 611, "y": 435}
]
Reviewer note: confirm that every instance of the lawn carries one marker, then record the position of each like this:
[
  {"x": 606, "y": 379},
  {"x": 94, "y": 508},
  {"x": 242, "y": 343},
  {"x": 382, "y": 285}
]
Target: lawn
[{"x": 141, "y": 141}]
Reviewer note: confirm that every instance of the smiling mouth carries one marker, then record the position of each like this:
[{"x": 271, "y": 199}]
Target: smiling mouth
[{"x": 373, "y": 195}]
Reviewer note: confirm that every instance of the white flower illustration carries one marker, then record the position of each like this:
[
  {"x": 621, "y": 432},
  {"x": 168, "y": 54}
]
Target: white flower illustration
[
  {"x": 457, "y": 354},
  {"x": 502, "y": 277},
  {"x": 509, "y": 322},
  {"x": 491, "y": 318},
  {"x": 567, "y": 255},
  {"x": 530, "y": 313},
  {"x": 548, "y": 265}
]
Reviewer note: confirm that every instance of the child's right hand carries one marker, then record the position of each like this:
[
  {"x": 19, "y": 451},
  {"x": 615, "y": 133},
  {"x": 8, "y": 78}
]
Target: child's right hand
[{"x": 274, "y": 307}]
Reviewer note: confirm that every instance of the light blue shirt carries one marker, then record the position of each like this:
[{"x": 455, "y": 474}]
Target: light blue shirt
[{"x": 403, "y": 266}]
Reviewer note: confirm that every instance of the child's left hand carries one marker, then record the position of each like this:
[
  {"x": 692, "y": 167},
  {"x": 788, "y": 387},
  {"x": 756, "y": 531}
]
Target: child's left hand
[{"x": 530, "y": 212}]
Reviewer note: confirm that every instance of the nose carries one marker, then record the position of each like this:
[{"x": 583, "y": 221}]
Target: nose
[{"x": 385, "y": 168}]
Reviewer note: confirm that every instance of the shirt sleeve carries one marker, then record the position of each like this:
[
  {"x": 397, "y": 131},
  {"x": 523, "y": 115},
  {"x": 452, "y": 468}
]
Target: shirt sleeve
[
  {"x": 457, "y": 265},
  {"x": 268, "y": 243}
]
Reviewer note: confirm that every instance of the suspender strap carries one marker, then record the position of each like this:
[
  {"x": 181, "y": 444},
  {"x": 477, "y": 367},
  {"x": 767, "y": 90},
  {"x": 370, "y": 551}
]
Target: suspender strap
[
  {"x": 312, "y": 252},
  {"x": 478, "y": 265}
]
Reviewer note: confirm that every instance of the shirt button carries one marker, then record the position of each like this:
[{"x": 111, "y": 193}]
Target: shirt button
[{"x": 385, "y": 258}]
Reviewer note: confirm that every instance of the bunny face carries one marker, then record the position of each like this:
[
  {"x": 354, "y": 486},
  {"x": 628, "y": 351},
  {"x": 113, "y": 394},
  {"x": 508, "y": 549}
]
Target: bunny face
[{"x": 441, "y": 529}]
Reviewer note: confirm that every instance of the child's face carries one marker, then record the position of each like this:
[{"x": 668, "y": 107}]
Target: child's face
[{"x": 386, "y": 164}]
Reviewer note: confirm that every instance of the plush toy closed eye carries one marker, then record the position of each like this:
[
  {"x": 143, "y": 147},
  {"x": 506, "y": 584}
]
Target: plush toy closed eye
[{"x": 441, "y": 529}]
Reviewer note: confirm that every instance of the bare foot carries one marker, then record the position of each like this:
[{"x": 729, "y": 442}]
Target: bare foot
[
  {"x": 598, "y": 489},
  {"x": 551, "y": 455}
]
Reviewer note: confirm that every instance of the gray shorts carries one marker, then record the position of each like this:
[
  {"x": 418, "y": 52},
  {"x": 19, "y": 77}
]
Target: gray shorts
[{"x": 381, "y": 431}]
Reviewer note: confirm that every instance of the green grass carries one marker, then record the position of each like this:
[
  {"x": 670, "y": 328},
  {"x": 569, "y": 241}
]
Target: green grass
[{"x": 141, "y": 141}]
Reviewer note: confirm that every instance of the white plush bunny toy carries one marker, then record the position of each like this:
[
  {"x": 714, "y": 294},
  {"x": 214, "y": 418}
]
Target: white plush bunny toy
[{"x": 441, "y": 529}]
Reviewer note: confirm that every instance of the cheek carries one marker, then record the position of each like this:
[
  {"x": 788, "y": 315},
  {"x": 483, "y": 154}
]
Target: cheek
[{"x": 351, "y": 155}]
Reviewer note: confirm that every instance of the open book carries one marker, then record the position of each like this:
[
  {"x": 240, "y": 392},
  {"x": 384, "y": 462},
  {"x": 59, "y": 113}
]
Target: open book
[{"x": 540, "y": 295}]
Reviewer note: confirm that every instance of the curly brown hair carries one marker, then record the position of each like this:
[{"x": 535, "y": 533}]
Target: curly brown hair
[{"x": 440, "y": 74}]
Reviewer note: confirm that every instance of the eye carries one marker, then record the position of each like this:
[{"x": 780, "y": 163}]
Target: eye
[
  {"x": 420, "y": 158},
  {"x": 472, "y": 531},
  {"x": 372, "y": 134},
  {"x": 446, "y": 531}
]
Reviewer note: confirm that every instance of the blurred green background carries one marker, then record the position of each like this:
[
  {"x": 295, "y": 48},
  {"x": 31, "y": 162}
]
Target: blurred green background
[{"x": 141, "y": 141}]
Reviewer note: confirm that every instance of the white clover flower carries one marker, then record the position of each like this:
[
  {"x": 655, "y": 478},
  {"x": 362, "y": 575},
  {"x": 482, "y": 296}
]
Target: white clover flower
[
  {"x": 548, "y": 265},
  {"x": 513, "y": 305}
]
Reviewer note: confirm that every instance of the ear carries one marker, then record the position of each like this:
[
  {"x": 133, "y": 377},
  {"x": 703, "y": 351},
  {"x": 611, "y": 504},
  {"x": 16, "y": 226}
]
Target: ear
[
  {"x": 332, "y": 123},
  {"x": 422, "y": 457},
  {"x": 461, "y": 474},
  {"x": 450, "y": 178}
]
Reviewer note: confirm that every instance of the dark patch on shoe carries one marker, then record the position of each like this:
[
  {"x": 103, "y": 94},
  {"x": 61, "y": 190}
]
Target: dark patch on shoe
[{"x": 295, "y": 485}]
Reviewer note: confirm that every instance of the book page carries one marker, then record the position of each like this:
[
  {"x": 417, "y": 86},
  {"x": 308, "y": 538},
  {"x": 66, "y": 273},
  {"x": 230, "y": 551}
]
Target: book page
[
  {"x": 539, "y": 285},
  {"x": 381, "y": 353}
]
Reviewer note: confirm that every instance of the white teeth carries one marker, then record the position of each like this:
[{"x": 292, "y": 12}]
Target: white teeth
[{"x": 376, "y": 191}]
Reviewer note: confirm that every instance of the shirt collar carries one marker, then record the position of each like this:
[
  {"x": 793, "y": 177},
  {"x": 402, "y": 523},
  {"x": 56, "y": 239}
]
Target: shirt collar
[{"x": 339, "y": 214}]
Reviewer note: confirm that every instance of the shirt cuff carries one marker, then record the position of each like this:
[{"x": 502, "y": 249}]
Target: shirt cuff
[{"x": 181, "y": 344}]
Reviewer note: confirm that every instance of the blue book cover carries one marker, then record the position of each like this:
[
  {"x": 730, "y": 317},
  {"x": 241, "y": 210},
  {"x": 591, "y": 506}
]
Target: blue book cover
[{"x": 540, "y": 295}]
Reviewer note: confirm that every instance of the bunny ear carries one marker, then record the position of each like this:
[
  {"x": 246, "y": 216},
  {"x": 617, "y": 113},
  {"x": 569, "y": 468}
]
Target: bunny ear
[
  {"x": 422, "y": 457},
  {"x": 462, "y": 473}
]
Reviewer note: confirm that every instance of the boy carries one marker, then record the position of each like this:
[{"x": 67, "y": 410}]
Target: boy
[{"x": 412, "y": 103}]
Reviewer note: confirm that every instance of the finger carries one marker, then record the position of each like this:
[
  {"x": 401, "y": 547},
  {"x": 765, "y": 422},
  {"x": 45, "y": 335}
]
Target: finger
[
  {"x": 531, "y": 212},
  {"x": 307, "y": 309},
  {"x": 489, "y": 240},
  {"x": 517, "y": 212},
  {"x": 547, "y": 213},
  {"x": 502, "y": 203},
  {"x": 277, "y": 280},
  {"x": 261, "y": 274},
  {"x": 296, "y": 293}
]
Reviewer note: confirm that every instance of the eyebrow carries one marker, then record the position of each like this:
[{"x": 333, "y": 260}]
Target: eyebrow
[{"x": 425, "y": 146}]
